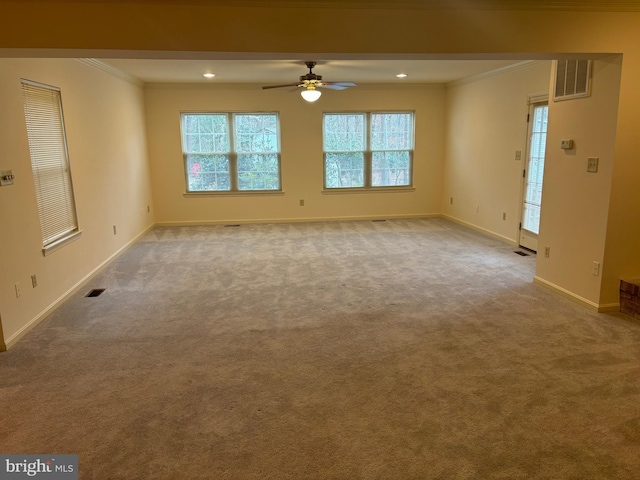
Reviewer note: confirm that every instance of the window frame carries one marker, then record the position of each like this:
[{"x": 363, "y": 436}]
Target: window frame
[
  {"x": 59, "y": 229},
  {"x": 368, "y": 155},
  {"x": 232, "y": 155}
]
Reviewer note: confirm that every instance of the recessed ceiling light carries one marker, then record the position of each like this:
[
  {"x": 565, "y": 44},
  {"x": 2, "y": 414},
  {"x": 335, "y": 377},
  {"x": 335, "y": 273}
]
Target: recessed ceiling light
[
  {"x": 209, "y": 75},
  {"x": 401, "y": 75}
]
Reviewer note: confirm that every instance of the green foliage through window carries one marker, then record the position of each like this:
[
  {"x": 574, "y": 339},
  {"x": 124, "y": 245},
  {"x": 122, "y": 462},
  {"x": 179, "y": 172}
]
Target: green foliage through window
[
  {"x": 253, "y": 164},
  {"x": 368, "y": 149}
]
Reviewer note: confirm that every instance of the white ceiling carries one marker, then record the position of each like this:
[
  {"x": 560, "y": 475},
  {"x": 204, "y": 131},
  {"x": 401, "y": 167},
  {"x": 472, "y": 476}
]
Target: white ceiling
[{"x": 268, "y": 72}]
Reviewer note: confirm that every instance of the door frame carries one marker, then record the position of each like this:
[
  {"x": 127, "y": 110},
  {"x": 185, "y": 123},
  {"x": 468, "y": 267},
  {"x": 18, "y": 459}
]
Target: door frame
[{"x": 532, "y": 102}]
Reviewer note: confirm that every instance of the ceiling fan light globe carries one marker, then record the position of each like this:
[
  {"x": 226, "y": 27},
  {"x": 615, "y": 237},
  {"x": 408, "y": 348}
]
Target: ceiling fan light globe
[{"x": 310, "y": 95}]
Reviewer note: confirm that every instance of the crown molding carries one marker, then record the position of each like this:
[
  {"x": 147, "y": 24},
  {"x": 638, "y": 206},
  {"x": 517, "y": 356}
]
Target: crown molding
[{"x": 95, "y": 63}]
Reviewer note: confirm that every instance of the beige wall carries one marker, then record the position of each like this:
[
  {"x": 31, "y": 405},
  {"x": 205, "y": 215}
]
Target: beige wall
[
  {"x": 622, "y": 255},
  {"x": 575, "y": 203},
  {"x": 486, "y": 124},
  {"x": 301, "y": 144},
  {"x": 107, "y": 148},
  {"x": 184, "y": 28}
]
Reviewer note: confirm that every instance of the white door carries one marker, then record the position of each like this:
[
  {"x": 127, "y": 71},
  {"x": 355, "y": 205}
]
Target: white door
[{"x": 533, "y": 175}]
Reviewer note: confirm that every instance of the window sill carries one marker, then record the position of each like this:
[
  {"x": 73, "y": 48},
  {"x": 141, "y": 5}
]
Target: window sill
[
  {"x": 58, "y": 244},
  {"x": 250, "y": 193},
  {"x": 340, "y": 191}
]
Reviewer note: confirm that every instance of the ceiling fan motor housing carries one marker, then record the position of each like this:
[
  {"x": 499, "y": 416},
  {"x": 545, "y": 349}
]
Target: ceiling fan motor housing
[{"x": 310, "y": 76}]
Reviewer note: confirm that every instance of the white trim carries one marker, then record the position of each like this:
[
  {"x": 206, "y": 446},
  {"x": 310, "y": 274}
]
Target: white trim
[
  {"x": 534, "y": 98},
  {"x": 347, "y": 190},
  {"x": 609, "y": 308},
  {"x": 58, "y": 244},
  {"x": 497, "y": 236},
  {"x": 92, "y": 62},
  {"x": 233, "y": 193},
  {"x": 9, "y": 342},
  {"x": 295, "y": 220},
  {"x": 594, "y": 307}
]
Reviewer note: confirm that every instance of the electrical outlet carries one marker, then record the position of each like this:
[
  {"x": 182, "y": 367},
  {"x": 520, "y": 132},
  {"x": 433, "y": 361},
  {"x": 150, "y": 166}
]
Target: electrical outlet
[
  {"x": 592, "y": 164},
  {"x": 34, "y": 281},
  {"x": 302, "y": 203},
  {"x": 477, "y": 208},
  {"x": 451, "y": 201},
  {"x": 547, "y": 252},
  {"x": 18, "y": 291},
  {"x": 504, "y": 215},
  {"x": 595, "y": 269},
  {"x": 114, "y": 230},
  {"x": 148, "y": 209},
  {"x": 518, "y": 156}
]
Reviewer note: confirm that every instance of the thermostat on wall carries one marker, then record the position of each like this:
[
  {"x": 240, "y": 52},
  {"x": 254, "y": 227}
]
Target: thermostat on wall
[
  {"x": 566, "y": 144},
  {"x": 6, "y": 178}
]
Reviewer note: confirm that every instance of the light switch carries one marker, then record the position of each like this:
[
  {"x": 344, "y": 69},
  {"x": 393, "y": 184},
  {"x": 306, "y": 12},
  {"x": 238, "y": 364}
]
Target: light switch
[{"x": 566, "y": 144}]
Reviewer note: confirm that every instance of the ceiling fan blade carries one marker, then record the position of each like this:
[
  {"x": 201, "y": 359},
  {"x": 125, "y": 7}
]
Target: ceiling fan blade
[
  {"x": 280, "y": 86},
  {"x": 333, "y": 87},
  {"x": 342, "y": 84}
]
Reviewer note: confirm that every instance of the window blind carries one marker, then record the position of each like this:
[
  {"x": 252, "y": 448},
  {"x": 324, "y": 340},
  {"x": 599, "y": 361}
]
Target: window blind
[{"x": 49, "y": 161}]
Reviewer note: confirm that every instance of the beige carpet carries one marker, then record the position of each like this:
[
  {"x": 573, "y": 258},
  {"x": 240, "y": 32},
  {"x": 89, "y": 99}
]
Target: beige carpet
[{"x": 405, "y": 349}]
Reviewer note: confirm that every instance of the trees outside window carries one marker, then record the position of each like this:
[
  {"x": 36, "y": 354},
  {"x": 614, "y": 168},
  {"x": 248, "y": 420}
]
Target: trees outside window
[
  {"x": 227, "y": 152},
  {"x": 368, "y": 150}
]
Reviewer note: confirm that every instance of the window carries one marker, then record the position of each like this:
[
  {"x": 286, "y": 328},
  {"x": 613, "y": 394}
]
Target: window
[
  {"x": 50, "y": 163},
  {"x": 368, "y": 150},
  {"x": 231, "y": 152}
]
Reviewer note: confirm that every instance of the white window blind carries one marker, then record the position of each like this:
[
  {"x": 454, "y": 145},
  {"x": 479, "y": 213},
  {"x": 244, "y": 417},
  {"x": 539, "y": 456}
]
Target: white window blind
[{"x": 49, "y": 161}]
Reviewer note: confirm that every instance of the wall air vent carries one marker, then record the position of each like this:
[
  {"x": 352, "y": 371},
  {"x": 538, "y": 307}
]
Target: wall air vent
[{"x": 573, "y": 79}]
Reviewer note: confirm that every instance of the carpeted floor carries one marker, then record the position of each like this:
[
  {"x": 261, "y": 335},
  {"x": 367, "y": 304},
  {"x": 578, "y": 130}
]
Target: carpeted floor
[{"x": 405, "y": 349}]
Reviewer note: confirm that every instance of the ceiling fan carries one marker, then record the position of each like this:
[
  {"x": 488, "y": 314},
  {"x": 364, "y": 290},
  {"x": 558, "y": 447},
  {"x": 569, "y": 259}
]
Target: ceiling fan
[{"x": 310, "y": 82}]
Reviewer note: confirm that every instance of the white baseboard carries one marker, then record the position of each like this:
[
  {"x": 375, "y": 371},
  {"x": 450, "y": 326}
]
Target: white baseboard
[
  {"x": 65, "y": 296},
  {"x": 293, "y": 220},
  {"x": 497, "y": 236},
  {"x": 593, "y": 306}
]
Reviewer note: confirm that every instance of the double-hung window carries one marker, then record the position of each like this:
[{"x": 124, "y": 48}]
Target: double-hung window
[
  {"x": 50, "y": 164},
  {"x": 368, "y": 150},
  {"x": 231, "y": 152}
]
